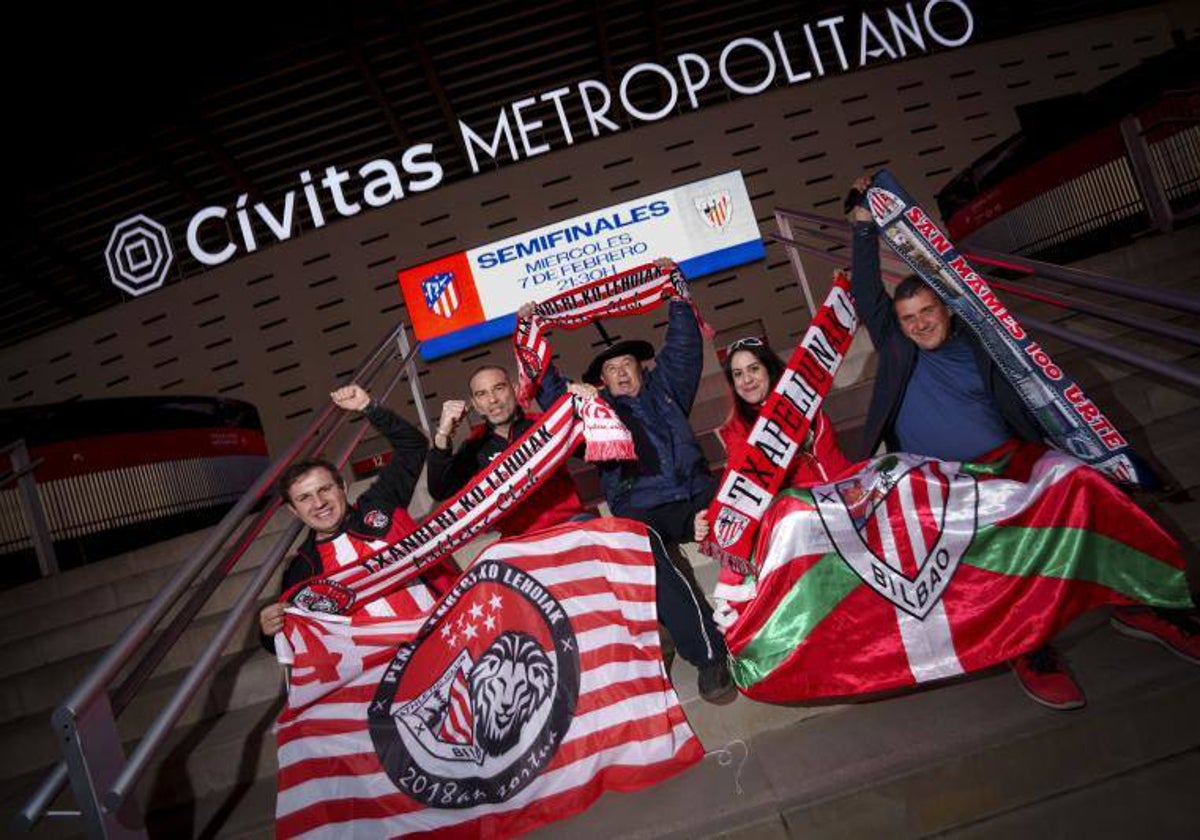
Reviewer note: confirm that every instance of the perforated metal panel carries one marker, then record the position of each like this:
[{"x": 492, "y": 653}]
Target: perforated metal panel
[{"x": 278, "y": 327}]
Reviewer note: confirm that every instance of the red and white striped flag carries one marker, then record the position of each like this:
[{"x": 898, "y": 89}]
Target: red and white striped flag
[{"x": 535, "y": 685}]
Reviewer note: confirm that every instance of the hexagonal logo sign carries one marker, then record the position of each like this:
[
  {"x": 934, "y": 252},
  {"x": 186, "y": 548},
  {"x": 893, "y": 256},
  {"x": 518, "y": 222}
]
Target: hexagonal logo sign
[{"x": 138, "y": 255}]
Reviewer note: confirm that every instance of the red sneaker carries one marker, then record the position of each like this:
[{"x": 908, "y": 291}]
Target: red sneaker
[
  {"x": 1046, "y": 681},
  {"x": 1177, "y": 631}
]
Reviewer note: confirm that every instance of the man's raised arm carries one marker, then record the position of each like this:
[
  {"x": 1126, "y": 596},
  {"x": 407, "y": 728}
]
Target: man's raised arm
[
  {"x": 866, "y": 277},
  {"x": 396, "y": 482}
]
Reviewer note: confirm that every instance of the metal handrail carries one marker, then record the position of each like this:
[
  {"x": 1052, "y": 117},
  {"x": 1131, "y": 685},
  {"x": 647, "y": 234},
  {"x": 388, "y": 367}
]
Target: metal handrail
[
  {"x": 166, "y": 719},
  {"x": 12, "y": 475},
  {"x": 1110, "y": 348},
  {"x": 1027, "y": 265},
  {"x": 102, "y": 673},
  {"x": 1107, "y": 313},
  {"x": 1086, "y": 279},
  {"x": 1169, "y": 370},
  {"x": 116, "y": 657}
]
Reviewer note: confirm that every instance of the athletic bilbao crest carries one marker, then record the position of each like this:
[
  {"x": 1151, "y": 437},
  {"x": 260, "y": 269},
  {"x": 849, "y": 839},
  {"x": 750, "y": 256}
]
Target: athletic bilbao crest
[
  {"x": 324, "y": 596},
  {"x": 885, "y": 205},
  {"x": 441, "y": 296},
  {"x": 475, "y": 708},
  {"x": 902, "y": 524},
  {"x": 377, "y": 519},
  {"x": 716, "y": 209},
  {"x": 729, "y": 527}
]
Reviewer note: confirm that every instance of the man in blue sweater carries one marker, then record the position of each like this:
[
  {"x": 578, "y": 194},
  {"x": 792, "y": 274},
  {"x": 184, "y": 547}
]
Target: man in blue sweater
[
  {"x": 670, "y": 480},
  {"x": 938, "y": 393}
]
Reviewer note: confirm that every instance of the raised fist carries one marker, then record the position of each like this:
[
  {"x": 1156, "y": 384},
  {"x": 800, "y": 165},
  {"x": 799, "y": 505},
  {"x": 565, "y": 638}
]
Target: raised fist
[
  {"x": 453, "y": 412},
  {"x": 351, "y": 398},
  {"x": 858, "y": 213}
]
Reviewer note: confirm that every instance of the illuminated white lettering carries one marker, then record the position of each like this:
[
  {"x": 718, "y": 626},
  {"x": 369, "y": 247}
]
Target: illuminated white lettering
[
  {"x": 755, "y": 44},
  {"x": 193, "y": 241},
  {"x": 471, "y": 140},
  {"x": 661, "y": 72}
]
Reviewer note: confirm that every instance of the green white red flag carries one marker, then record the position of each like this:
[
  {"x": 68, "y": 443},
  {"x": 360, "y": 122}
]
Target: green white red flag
[{"x": 915, "y": 569}]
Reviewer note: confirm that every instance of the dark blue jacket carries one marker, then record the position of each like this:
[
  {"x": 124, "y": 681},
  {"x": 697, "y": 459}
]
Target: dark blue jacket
[
  {"x": 671, "y": 466},
  {"x": 898, "y": 355}
]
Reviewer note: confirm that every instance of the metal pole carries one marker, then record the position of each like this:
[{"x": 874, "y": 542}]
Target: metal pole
[
  {"x": 1026, "y": 265},
  {"x": 785, "y": 229},
  {"x": 1086, "y": 279},
  {"x": 196, "y": 675},
  {"x": 95, "y": 683},
  {"x": 1151, "y": 189},
  {"x": 1108, "y": 313},
  {"x": 191, "y": 683},
  {"x": 35, "y": 514},
  {"x": 33, "y": 810},
  {"x": 115, "y": 657},
  {"x": 414, "y": 379}
]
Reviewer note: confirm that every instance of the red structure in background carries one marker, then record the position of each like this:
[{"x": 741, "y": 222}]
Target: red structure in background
[{"x": 116, "y": 474}]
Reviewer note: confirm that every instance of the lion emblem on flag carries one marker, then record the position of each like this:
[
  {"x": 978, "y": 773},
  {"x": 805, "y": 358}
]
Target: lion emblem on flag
[
  {"x": 479, "y": 703},
  {"x": 509, "y": 683}
]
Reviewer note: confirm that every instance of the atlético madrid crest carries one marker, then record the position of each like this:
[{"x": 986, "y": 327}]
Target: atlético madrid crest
[
  {"x": 716, "y": 209},
  {"x": 475, "y": 708},
  {"x": 903, "y": 524},
  {"x": 441, "y": 296}
]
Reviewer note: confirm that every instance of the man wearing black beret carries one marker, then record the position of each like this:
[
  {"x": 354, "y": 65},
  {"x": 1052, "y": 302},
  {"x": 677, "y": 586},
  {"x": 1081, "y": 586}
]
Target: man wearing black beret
[{"x": 670, "y": 480}]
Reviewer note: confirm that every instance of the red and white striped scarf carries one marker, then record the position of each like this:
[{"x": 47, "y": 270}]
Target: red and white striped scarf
[
  {"x": 755, "y": 474},
  {"x": 512, "y": 476},
  {"x": 632, "y": 292}
]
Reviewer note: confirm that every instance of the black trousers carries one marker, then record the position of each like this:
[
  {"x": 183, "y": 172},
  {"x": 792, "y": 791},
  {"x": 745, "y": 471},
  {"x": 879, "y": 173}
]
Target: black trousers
[{"x": 681, "y": 609}]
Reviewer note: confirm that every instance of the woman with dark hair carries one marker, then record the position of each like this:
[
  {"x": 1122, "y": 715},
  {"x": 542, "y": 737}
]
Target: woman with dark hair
[{"x": 752, "y": 369}]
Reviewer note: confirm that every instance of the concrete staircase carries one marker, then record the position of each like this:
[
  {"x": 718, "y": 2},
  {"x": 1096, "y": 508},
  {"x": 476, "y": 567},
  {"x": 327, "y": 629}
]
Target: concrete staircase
[{"x": 972, "y": 759}]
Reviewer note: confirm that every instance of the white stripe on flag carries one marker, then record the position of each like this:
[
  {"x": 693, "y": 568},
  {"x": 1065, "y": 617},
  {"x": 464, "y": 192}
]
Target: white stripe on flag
[
  {"x": 928, "y": 643},
  {"x": 812, "y": 539},
  {"x": 554, "y": 544},
  {"x": 599, "y": 678},
  {"x": 560, "y": 780}
]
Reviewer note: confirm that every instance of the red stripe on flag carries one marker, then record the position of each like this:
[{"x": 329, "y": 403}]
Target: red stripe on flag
[
  {"x": 928, "y": 527},
  {"x": 1085, "y": 499},
  {"x": 1041, "y": 608},
  {"x": 771, "y": 588},
  {"x": 619, "y": 777},
  {"x": 861, "y": 637},
  {"x": 311, "y": 728}
]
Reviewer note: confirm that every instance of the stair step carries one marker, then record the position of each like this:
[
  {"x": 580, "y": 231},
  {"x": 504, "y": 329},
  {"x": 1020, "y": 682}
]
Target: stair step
[
  {"x": 243, "y": 679},
  {"x": 927, "y": 761},
  {"x": 88, "y": 634}
]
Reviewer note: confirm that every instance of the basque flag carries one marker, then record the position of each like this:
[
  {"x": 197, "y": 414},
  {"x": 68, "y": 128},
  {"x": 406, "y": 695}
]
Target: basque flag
[{"x": 913, "y": 570}]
